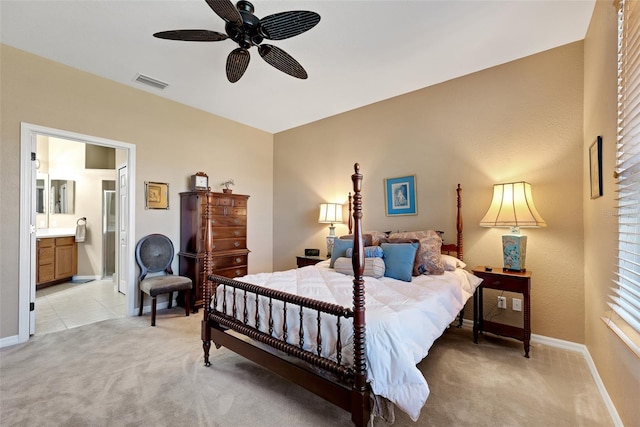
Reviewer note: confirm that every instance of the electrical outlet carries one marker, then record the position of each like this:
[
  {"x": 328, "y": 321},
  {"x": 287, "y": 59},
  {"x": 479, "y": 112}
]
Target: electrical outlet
[
  {"x": 517, "y": 304},
  {"x": 502, "y": 302}
]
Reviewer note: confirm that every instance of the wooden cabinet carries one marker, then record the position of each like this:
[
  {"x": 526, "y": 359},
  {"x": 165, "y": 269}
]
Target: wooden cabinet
[
  {"x": 57, "y": 260},
  {"x": 229, "y": 225},
  {"x": 506, "y": 281}
]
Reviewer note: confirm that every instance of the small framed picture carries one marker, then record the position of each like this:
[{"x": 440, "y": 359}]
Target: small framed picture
[
  {"x": 156, "y": 195},
  {"x": 400, "y": 196},
  {"x": 595, "y": 167}
]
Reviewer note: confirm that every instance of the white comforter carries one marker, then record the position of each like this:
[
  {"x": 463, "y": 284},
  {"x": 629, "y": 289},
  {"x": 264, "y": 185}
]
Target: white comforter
[{"x": 402, "y": 322}]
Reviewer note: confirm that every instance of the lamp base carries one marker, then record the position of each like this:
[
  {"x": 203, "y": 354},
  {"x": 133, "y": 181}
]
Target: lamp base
[
  {"x": 514, "y": 252},
  {"x": 330, "y": 245}
]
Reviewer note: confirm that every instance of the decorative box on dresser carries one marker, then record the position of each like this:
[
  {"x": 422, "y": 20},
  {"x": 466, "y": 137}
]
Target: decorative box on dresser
[{"x": 229, "y": 223}]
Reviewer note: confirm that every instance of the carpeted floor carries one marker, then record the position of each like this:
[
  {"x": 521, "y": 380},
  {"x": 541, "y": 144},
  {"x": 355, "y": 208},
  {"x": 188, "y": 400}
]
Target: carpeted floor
[{"x": 122, "y": 372}]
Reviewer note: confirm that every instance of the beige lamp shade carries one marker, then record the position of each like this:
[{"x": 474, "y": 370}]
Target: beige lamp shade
[
  {"x": 330, "y": 213},
  {"x": 512, "y": 206}
]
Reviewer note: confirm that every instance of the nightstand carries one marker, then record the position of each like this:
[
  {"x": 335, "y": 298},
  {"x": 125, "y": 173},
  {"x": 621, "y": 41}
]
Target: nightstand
[
  {"x": 503, "y": 281},
  {"x": 303, "y": 261}
]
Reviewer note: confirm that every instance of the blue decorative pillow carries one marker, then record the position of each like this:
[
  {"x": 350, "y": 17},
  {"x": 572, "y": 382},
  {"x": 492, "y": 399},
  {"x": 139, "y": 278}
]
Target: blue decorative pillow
[
  {"x": 369, "y": 252},
  {"x": 398, "y": 260},
  {"x": 340, "y": 247}
]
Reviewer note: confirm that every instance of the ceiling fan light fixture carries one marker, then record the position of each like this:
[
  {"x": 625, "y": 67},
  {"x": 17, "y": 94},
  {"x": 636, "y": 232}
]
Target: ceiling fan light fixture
[{"x": 247, "y": 30}]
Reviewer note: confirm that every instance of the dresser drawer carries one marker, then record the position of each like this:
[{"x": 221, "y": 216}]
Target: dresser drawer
[
  {"x": 46, "y": 255},
  {"x": 227, "y": 244},
  {"x": 229, "y": 210},
  {"x": 228, "y": 261},
  {"x": 227, "y": 232},
  {"x": 232, "y": 272},
  {"x": 225, "y": 221},
  {"x": 46, "y": 243},
  {"x": 45, "y": 273},
  {"x": 230, "y": 201},
  {"x": 504, "y": 282},
  {"x": 65, "y": 241}
]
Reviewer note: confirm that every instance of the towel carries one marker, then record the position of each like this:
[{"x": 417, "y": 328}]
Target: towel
[{"x": 81, "y": 230}]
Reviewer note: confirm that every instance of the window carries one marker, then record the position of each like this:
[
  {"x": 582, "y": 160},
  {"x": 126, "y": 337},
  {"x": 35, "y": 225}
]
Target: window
[{"x": 625, "y": 297}]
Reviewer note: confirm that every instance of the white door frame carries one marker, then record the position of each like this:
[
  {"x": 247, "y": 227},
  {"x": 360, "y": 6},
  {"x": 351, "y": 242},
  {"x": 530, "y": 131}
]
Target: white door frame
[{"x": 27, "y": 278}]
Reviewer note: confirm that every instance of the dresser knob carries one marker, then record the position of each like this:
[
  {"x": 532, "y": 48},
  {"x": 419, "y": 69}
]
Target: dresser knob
[
  {"x": 238, "y": 260},
  {"x": 236, "y": 244},
  {"x": 213, "y": 246},
  {"x": 238, "y": 272},
  {"x": 237, "y": 221},
  {"x": 213, "y": 221},
  {"x": 237, "y": 233}
]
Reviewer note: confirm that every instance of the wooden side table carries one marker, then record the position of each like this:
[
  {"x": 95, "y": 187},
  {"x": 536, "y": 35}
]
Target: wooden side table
[
  {"x": 503, "y": 281},
  {"x": 303, "y": 261}
]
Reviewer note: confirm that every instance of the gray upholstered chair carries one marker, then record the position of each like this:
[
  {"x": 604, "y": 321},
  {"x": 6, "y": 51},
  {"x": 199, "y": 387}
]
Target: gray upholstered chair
[{"x": 154, "y": 254}]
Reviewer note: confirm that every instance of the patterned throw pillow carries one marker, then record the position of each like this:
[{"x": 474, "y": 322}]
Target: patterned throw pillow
[
  {"x": 373, "y": 267},
  {"x": 369, "y": 252},
  {"x": 429, "y": 251}
]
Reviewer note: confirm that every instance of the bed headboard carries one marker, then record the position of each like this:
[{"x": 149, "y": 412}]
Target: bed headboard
[{"x": 447, "y": 248}]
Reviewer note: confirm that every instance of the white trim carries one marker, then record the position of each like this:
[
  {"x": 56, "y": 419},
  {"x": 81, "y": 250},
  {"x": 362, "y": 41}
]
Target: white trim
[
  {"x": 8, "y": 341},
  {"x": 577, "y": 348},
  {"x": 27, "y": 252}
]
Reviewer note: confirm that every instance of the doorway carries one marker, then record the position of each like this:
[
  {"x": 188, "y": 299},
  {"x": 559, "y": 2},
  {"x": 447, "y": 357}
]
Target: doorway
[{"x": 28, "y": 190}]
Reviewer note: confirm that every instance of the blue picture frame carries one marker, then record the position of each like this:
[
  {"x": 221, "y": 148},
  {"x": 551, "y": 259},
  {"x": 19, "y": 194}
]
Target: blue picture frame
[{"x": 400, "y": 196}]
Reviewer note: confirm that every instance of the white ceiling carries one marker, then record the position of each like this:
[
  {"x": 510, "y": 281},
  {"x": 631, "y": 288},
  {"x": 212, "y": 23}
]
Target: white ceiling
[{"x": 361, "y": 51}]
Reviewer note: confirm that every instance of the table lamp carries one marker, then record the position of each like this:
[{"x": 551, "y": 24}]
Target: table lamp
[
  {"x": 512, "y": 206},
  {"x": 330, "y": 213}
]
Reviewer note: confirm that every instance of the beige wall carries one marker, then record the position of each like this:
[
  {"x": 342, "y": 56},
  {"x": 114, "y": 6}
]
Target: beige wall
[
  {"x": 517, "y": 121},
  {"x": 618, "y": 367},
  {"x": 172, "y": 142}
]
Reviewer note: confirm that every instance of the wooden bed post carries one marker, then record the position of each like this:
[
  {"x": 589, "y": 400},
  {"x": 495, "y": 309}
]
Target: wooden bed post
[
  {"x": 206, "y": 292},
  {"x": 459, "y": 224},
  {"x": 350, "y": 220},
  {"x": 360, "y": 410}
]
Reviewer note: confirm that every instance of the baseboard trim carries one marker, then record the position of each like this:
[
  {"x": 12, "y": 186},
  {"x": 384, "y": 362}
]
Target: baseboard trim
[
  {"x": 577, "y": 348},
  {"x": 9, "y": 341}
]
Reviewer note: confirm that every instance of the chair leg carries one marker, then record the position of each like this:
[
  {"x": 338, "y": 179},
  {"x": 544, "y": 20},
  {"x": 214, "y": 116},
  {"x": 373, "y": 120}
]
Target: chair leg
[
  {"x": 141, "y": 303},
  {"x": 187, "y": 301},
  {"x": 170, "y": 300},
  {"x": 153, "y": 311}
]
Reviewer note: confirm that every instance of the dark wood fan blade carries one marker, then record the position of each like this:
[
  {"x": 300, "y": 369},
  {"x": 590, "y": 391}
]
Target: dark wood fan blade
[
  {"x": 191, "y": 35},
  {"x": 225, "y": 10},
  {"x": 283, "y": 25},
  {"x": 281, "y": 60},
  {"x": 237, "y": 63}
]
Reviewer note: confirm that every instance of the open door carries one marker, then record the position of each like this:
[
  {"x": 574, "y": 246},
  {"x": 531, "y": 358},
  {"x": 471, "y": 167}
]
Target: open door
[{"x": 123, "y": 215}]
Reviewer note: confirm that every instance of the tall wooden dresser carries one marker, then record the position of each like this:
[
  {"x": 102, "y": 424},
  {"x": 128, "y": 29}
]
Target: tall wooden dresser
[{"x": 229, "y": 224}]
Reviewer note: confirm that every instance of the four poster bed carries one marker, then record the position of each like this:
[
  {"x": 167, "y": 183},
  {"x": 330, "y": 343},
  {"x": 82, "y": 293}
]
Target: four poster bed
[{"x": 308, "y": 324}]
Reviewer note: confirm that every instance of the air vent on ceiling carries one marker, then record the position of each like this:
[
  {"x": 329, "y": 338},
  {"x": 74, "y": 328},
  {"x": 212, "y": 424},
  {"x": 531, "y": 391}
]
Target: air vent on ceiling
[{"x": 150, "y": 81}]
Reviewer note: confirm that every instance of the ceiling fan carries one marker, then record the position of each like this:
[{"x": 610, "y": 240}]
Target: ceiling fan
[{"x": 244, "y": 28}]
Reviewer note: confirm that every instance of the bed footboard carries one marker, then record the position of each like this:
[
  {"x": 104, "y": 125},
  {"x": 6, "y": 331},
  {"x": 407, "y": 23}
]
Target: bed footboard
[
  {"x": 241, "y": 307},
  {"x": 232, "y": 305}
]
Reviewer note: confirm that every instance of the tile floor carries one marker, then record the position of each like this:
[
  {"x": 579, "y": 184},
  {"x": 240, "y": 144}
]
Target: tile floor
[{"x": 69, "y": 305}]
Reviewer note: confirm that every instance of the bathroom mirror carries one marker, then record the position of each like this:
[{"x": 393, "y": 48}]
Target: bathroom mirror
[
  {"x": 62, "y": 196},
  {"x": 42, "y": 182}
]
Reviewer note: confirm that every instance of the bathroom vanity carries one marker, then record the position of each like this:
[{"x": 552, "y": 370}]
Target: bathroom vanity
[{"x": 57, "y": 257}]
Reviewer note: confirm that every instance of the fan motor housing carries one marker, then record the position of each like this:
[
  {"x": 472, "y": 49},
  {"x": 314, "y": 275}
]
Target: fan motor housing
[{"x": 248, "y": 34}]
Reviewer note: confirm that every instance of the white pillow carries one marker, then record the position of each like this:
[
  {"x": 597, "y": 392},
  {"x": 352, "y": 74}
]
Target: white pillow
[
  {"x": 373, "y": 267},
  {"x": 451, "y": 263}
]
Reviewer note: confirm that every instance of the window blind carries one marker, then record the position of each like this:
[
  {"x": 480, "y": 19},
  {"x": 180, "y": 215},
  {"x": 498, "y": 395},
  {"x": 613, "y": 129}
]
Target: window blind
[{"x": 624, "y": 299}]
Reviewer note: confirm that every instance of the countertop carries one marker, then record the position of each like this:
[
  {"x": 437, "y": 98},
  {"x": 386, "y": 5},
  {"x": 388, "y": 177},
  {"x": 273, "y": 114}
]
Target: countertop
[{"x": 55, "y": 232}]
